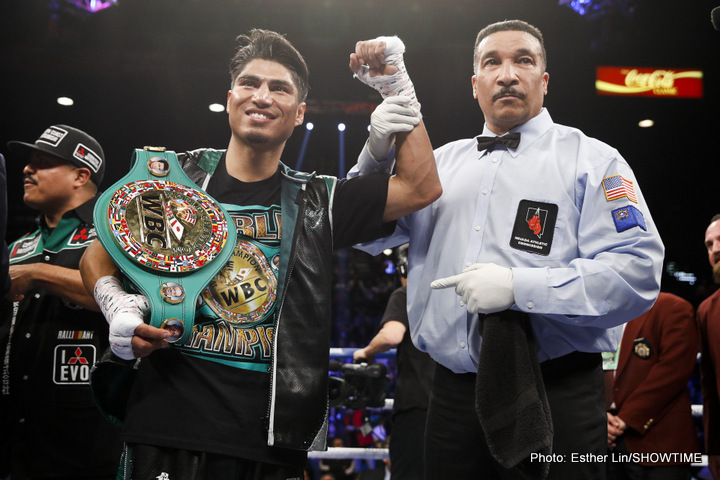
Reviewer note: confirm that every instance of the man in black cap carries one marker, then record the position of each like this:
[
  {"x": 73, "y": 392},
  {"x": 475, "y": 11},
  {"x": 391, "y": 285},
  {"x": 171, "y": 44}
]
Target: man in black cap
[{"x": 51, "y": 332}]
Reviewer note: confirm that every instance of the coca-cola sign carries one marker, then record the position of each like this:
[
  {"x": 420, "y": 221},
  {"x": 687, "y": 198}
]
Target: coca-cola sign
[{"x": 649, "y": 82}]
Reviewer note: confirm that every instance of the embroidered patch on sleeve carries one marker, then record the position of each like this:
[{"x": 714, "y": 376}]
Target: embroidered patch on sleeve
[
  {"x": 618, "y": 187},
  {"x": 534, "y": 227},
  {"x": 628, "y": 217}
]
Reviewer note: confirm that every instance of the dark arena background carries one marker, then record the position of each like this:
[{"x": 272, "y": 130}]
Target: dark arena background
[{"x": 144, "y": 72}]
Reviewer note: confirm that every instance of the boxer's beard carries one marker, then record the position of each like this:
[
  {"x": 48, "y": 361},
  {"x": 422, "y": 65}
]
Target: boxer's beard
[
  {"x": 256, "y": 138},
  {"x": 716, "y": 273}
]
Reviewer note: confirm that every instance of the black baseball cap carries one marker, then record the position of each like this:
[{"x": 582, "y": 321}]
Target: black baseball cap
[{"x": 70, "y": 144}]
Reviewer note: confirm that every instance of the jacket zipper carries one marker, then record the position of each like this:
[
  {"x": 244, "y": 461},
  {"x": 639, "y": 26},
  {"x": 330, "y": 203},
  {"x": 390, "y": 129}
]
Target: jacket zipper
[{"x": 291, "y": 265}]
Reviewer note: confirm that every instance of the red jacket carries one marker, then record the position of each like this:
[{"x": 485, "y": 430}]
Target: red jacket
[
  {"x": 658, "y": 354},
  {"x": 708, "y": 317}
]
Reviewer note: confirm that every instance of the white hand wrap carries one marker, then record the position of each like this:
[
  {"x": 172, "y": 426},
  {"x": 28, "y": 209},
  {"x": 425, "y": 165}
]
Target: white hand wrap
[
  {"x": 393, "y": 115},
  {"x": 398, "y": 83},
  {"x": 123, "y": 312},
  {"x": 484, "y": 287}
]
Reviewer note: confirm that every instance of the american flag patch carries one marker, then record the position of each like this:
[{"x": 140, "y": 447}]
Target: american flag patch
[{"x": 618, "y": 187}]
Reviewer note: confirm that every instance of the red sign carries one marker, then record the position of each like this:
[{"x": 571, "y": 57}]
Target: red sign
[{"x": 649, "y": 82}]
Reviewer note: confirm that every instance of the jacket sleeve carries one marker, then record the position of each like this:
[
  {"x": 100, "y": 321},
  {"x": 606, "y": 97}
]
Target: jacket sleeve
[
  {"x": 709, "y": 381},
  {"x": 367, "y": 165},
  {"x": 676, "y": 334}
]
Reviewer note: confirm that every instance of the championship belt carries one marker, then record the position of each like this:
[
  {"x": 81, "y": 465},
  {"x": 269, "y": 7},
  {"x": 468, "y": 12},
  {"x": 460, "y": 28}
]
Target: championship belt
[{"x": 168, "y": 237}]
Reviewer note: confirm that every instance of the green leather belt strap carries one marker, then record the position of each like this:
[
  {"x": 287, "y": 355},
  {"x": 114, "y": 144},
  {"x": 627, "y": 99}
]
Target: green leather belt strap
[{"x": 166, "y": 235}]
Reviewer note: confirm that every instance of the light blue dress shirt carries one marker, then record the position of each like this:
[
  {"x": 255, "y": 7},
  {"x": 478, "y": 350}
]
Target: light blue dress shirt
[{"x": 600, "y": 269}]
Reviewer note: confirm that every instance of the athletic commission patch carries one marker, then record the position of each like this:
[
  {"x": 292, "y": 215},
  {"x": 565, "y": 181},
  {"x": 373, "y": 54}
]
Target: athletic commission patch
[
  {"x": 628, "y": 217},
  {"x": 167, "y": 226},
  {"x": 534, "y": 227}
]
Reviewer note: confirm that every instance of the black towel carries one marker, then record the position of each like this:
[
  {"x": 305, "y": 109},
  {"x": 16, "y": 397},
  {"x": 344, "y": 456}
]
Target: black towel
[{"x": 510, "y": 395}]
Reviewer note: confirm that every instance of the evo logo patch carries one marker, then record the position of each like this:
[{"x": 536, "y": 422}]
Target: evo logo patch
[
  {"x": 72, "y": 364},
  {"x": 534, "y": 227}
]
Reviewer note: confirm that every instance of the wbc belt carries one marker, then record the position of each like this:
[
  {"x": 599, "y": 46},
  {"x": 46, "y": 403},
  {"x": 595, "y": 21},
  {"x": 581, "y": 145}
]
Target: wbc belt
[{"x": 168, "y": 237}]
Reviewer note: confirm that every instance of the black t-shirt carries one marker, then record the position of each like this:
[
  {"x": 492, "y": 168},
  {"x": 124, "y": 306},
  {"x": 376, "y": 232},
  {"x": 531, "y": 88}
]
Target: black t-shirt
[
  {"x": 415, "y": 368},
  {"x": 212, "y": 394}
]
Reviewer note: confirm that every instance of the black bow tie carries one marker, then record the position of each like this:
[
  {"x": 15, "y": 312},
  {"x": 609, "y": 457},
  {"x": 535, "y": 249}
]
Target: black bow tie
[{"x": 511, "y": 140}]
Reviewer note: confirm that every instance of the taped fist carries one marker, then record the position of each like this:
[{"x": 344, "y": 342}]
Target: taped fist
[
  {"x": 379, "y": 63},
  {"x": 123, "y": 311}
]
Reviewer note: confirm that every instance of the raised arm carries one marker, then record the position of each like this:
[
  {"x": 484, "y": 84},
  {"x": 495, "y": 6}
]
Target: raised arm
[
  {"x": 379, "y": 64},
  {"x": 416, "y": 183}
]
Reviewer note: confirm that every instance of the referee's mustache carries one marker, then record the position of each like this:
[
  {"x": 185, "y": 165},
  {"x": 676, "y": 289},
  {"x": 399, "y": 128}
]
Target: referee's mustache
[{"x": 508, "y": 91}]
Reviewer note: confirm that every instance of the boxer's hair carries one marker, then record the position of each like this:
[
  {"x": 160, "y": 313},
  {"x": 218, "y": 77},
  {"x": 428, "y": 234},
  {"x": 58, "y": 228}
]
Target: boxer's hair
[{"x": 269, "y": 45}]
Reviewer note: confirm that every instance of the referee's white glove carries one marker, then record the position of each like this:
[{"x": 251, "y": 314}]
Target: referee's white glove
[
  {"x": 484, "y": 287},
  {"x": 393, "y": 115},
  {"x": 123, "y": 312}
]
